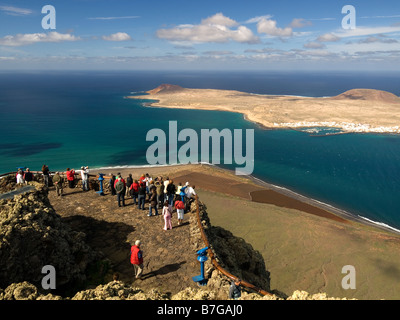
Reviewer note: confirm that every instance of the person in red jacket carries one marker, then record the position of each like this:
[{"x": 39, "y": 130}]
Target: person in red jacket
[
  {"x": 137, "y": 259},
  {"x": 134, "y": 190},
  {"x": 180, "y": 209},
  {"x": 71, "y": 177}
]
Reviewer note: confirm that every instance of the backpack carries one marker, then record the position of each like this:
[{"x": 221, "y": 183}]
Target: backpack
[
  {"x": 179, "y": 205},
  {"x": 119, "y": 186},
  {"x": 183, "y": 190}
]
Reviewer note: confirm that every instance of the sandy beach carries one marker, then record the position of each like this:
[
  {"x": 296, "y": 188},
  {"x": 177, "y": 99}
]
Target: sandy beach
[
  {"x": 358, "y": 110},
  {"x": 304, "y": 244}
]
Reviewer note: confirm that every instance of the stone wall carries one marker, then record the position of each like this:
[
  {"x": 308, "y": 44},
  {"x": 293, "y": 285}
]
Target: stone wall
[{"x": 232, "y": 253}]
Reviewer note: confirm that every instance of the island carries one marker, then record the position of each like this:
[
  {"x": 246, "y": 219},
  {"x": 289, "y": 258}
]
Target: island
[{"x": 357, "y": 110}]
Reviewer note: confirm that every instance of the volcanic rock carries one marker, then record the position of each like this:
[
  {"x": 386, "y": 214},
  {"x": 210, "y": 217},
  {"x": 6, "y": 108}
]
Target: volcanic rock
[
  {"x": 370, "y": 95},
  {"x": 165, "y": 88},
  {"x": 32, "y": 236}
]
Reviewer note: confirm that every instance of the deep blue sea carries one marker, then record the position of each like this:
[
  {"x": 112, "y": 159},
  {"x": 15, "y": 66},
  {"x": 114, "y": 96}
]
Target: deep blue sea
[{"x": 70, "y": 119}]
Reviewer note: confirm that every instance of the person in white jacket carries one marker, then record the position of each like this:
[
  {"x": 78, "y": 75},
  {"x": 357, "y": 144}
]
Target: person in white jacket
[
  {"x": 20, "y": 177},
  {"x": 85, "y": 178},
  {"x": 189, "y": 196},
  {"x": 190, "y": 191}
]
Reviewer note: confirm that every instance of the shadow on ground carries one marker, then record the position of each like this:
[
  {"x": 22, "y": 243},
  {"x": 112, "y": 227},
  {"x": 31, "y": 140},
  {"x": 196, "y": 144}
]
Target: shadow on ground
[{"x": 107, "y": 237}]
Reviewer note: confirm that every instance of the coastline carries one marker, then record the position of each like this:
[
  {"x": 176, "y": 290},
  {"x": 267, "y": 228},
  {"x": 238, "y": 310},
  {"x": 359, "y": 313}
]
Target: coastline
[
  {"x": 285, "y": 111},
  {"x": 270, "y": 193}
]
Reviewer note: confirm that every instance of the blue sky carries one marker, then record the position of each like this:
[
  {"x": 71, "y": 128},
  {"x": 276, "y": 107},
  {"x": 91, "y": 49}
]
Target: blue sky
[{"x": 205, "y": 35}]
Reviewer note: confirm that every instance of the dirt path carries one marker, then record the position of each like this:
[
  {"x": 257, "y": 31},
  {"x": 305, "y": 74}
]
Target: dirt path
[{"x": 169, "y": 261}]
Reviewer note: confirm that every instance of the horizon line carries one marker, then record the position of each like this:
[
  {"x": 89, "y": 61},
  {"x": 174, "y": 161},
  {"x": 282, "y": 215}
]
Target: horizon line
[{"x": 201, "y": 70}]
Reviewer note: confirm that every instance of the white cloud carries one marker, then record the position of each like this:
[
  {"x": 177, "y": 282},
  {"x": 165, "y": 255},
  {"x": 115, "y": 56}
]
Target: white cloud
[
  {"x": 296, "y": 56},
  {"x": 381, "y": 17},
  {"x": 31, "y": 38},
  {"x": 328, "y": 37},
  {"x": 14, "y": 11},
  {"x": 119, "y": 36},
  {"x": 300, "y": 23},
  {"x": 217, "y": 28},
  {"x": 380, "y": 38},
  {"x": 258, "y": 19},
  {"x": 217, "y": 53},
  {"x": 7, "y": 58},
  {"x": 269, "y": 27},
  {"x": 265, "y": 50},
  {"x": 314, "y": 45},
  {"x": 315, "y": 53},
  {"x": 219, "y": 19},
  {"x": 366, "y": 31},
  {"x": 365, "y": 46},
  {"x": 323, "y": 19}
]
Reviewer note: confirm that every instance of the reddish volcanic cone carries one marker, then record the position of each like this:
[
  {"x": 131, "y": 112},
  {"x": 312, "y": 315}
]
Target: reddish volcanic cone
[
  {"x": 165, "y": 88},
  {"x": 370, "y": 95}
]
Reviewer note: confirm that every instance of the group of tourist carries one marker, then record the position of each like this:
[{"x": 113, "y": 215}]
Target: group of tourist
[
  {"x": 161, "y": 194},
  {"x": 84, "y": 172},
  {"x": 25, "y": 177},
  {"x": 58, "y": 179}
]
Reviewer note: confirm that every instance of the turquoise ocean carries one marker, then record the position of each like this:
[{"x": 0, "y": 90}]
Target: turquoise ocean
[{"x": 75, "y": 118}]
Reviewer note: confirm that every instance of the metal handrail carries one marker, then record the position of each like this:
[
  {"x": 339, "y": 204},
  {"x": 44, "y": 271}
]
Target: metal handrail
[
  {"x": 216, "y": 264},
  {"x": 50, "y": 172}
]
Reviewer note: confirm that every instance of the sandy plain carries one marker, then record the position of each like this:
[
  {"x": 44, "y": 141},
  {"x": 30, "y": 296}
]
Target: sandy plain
[{"x": 358, "y": 110}]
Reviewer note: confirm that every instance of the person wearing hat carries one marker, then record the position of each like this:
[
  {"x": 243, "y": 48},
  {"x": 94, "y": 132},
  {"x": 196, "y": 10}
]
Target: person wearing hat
[{"x": 137, "y": 259}]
